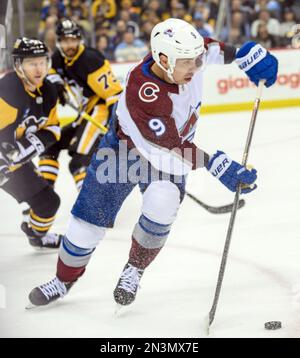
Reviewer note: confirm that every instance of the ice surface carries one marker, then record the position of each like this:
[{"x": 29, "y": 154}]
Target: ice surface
[{"x": 263, "y": 273}]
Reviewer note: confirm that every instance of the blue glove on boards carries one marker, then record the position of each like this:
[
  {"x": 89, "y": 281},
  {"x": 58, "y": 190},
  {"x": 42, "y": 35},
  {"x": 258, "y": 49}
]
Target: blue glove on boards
[
  {"x": 257, "y": 63},
  {"x": 231, "y": 173}
]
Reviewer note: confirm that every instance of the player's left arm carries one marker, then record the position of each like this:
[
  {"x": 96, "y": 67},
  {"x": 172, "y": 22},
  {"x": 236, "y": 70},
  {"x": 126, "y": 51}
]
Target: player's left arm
[
  {"x": 252, "y": 58},
  {"x": 32, "y": 144},
  {"x": 51, "y": 129},
  {"x": 218, "y": 52}
]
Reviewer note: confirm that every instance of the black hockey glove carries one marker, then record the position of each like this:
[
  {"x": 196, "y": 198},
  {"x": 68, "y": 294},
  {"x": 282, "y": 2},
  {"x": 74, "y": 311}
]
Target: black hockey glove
[
  {"x": 60, "y": 87},
  {"x": 24, "y": 149},
  {"x": 62, "y": 93}
]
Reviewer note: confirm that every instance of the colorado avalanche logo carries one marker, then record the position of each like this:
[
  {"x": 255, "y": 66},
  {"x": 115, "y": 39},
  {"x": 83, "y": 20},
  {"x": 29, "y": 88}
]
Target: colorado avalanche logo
[
  {"x": 169, "y": 32},
  {"x": 147, "y": 92}
]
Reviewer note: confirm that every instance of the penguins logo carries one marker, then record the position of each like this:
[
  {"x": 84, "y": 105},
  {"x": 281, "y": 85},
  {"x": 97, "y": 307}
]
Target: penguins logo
[
  {"x": 31, "y": 123},
  {"x": 147, "y": 92}
]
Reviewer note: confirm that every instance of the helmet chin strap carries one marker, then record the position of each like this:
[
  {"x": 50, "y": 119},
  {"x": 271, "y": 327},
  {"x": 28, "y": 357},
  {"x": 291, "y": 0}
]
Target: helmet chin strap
[
  {"x": 63, "y": 53},
  {"x": 168, "y": 71},
  {"x": 61, "y": 50},
  {"x": 21, "y": 73}
]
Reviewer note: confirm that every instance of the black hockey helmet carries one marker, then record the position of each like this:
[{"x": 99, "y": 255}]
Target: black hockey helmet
[
  {"x": 67, "y": 28},
  {"x": 26, "y": 47}
]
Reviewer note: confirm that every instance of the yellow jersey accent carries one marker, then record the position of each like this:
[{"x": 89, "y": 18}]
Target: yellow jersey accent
[
  {"x": 103, "y": 82},
  {"x": 100, "y": 114},
  {"x": 8, "y": 114},
  {"x": 51, "y": 162},
  {"x": 75, "y": 58},
  {"x": 42, "y": 220},
  {"x": 79, "y": 176},
  {"x": 88, "y": 138},
  {"x": 38, "y": 228},
  {"x": 49, "y": 176}
]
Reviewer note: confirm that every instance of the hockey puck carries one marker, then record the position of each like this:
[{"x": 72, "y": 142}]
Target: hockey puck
[{"x": 272, "y": 325}]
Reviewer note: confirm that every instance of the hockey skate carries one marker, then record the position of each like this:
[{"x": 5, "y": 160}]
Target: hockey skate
[
  {"x": 128, "y": 284},
  {"x": 48, "y": 292},
  {"x": 49, "y": 240}
]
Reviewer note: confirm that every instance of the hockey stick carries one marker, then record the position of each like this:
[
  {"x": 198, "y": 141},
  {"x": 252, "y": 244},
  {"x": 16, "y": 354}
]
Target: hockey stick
[
  {"x": 72, "y": 96},
  {"x": 89, "y": 118},
  {"x": 216, "y": 209},
  {"x": 211, "y": 315}
]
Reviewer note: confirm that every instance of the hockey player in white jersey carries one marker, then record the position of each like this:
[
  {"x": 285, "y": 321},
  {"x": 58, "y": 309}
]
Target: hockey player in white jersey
[{"x": 153, "y": 133}]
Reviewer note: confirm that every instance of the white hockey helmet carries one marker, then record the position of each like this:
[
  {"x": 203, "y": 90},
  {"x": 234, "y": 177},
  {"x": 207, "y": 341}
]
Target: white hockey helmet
[{"x": 176, "y": 39}]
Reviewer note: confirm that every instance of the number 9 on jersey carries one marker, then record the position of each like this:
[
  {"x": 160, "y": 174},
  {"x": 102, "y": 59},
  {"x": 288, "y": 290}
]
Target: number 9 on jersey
[{"x": 157, "y": 126}]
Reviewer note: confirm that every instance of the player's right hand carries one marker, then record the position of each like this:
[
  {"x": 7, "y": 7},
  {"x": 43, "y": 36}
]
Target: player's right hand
[
  {"x": 257, "y": 63},
  {"x": 62, "y": 93},
  {"x": 60, "y": 87},
  {"x": 231, "y": 174}
]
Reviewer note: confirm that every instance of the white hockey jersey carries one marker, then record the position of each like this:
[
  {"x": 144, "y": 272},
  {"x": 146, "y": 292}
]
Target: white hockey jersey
[{"x": 160, "y": 119}]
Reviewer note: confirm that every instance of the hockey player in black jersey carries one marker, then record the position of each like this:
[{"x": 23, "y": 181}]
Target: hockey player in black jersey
[
  {"x": 88, "y": 75},
  {"x": 29, "y": 125}
]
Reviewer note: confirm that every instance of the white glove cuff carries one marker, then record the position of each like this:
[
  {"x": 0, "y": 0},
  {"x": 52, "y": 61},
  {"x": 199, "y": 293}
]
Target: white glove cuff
[{"x": 220, "y": 165}]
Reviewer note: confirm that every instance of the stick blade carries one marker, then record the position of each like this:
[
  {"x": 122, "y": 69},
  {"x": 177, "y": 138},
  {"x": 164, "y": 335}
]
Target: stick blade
[{"x": 225, "y": 208}]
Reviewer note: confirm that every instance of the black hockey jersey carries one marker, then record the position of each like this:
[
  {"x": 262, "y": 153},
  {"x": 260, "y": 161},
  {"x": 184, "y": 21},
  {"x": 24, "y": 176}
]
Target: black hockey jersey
[
  {"x": 92, "y": 72},
  {"x": 22, "y": 111}
]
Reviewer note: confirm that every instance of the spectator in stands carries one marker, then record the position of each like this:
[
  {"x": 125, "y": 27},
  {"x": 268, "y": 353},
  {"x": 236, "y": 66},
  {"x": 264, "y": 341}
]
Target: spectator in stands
[
  {"x": 99, "y": 24},
  {"x": 286, "y": 27},
  {"x": 49, "y": 21},
  {"x": 104, "y": 48},
  {"x": 157, "y": 6},
  {"x": 134, "y": 11},
  {"x": 146, "y": 29},
  {"x": 274, "y": 8},
  {"x": 125, "y": 16},
  {"x": 265, "y": 38},
  {"x": 77, "y": 8},
  {"x": 50, "y": 40},
  {"x": 121, "y": 28},
  {"x": 260, "y": 5},
  {"x": 177, "y": 10},
  {"x": 47, "y": 25},
  {"x": 113, "y": 19},
  {"x": 212, "y": 12},
  {"x": 201, "y": 26},
  {"x": 243, "y": 7},
  {"x": 203, "y": 8},
  {"x": 264, "y": 17},
  {"x": 239, "y": 20},
  {"x": 48, "y": 7},
  {"x": 130, "y": 49},
  {"x": 235, "y": 37},
  {"x": 105, "y": 8},
  {"x": 296, "y": 9}
]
